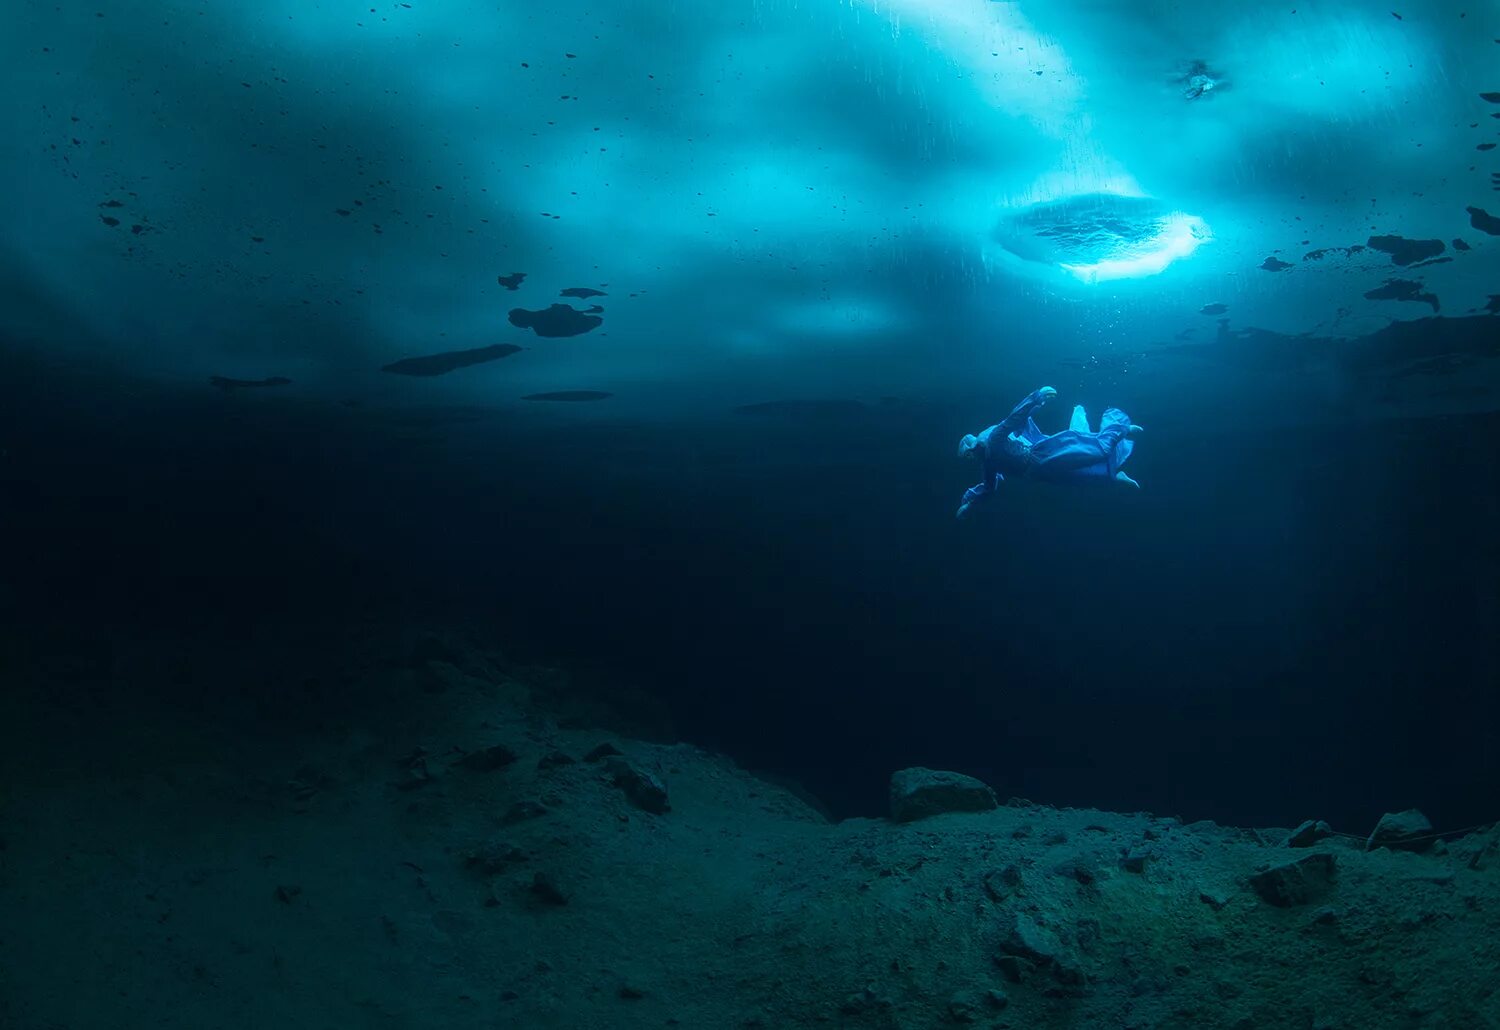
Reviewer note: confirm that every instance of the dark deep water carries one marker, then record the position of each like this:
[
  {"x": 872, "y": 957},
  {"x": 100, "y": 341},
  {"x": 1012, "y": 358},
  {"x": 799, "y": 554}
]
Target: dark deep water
[{"x": 1280, "y": 626}]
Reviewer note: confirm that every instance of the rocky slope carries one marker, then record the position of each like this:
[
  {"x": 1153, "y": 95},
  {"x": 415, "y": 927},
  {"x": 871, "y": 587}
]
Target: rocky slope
[{"x": 422, "y": 836}]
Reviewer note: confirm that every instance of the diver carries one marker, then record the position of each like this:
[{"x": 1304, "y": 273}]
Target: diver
[{"x": 1016, "y": 447}]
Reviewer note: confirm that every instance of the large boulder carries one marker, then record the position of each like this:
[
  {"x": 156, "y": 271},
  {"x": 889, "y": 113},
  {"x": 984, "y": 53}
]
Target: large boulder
[
  {"x": 917, "y": 793},
  {"x": 1309, "y": 833},
  {"x": 1401, "y": 831},
  {"x": 1296, "y": 883}
]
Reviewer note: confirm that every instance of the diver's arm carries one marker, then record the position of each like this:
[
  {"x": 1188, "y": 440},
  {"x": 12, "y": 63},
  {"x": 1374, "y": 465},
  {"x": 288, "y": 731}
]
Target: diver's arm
[
  {"x": 1031, "y": 403},
  {"x": 978, "y": 494}
]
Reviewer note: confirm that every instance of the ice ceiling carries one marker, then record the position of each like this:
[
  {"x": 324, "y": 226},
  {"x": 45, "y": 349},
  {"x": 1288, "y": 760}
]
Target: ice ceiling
[{"x": 670, "y": 204}]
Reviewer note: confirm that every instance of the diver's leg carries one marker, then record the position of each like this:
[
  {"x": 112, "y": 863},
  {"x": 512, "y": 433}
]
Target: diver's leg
[{"x": 1114, "y": 428}]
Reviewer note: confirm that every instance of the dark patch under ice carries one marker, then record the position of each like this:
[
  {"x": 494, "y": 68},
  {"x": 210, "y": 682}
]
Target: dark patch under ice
[
  {"x": 1319, "y": 255},
  {"x": 804, "y": 408},
  {"x": 225, "y": 383},
  {"x": 1274, "y": 264},
  {"x": 1482, "y": 220},
  {"x": 581, "y": 292},
  {"x": 569, "y": 395},
  {"x": 1403, "y": 289},
  {"x": 448, "y": 361},
  {"x": 1213, "y": 309},
  {"x": 557, "y": 320},
  {"x": 1404, "y": 251},
  {"x": 512, "y": 281}
]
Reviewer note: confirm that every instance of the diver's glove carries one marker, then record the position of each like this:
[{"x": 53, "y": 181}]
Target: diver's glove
[{"x": 1046, "y": 393}]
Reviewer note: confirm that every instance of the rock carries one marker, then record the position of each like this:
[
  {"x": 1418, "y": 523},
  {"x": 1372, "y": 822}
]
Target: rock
[
  {"x": 545, "y": 889},
  {"x": 1000, "y": 884},
  {"x": 918, "y": 793},
  {"x": 555, "y": 759},
  {"x": 414, "y": 770},
  {"x": 286, "y": 893},
  {"x": 1309, "y": 833},
  {"x": 1401, "y": 831},
  {"x": 1480, "y": 851},
  {"x": 863, "y": 1003},
  {"x": 488, "y": 759},
  {"x": 644, "y": 790},
  {"x": 1135, "y": 859},
  {"x": 1215, "y": 900},
  {"x": 1013, "y": 967},
  {"x": 1076, "y": 868},
  {"x": 1298, "y": 882},
  {"x": 964, "y": 1007},
  {"x": 1027, "y": 939},
  {"x": 522, "y": 811},
  {"x": 1325, "y": 916},
  {"x": 492, "y": 857},
  {"x": 601, "y": 752}
]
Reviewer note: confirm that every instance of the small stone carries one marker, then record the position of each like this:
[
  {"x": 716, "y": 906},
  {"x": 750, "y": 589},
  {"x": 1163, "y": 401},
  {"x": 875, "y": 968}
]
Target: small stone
[
  {"x": 963, "y": 1007},
  {"x": 644, "y": 790},
  {"x": 1309, "y": 833},
  {"x": 863, "y": 1002},
  {"x": 1135, "y": 860},
  {"x": 522, "y": 811},
  {"x": 286, "y": 893},
  {"x": 1213, "y": 899},
  {"x": 547, "y": 890},
  {"x": 554, "y": 759},
  {"x": 601, "y": 752},
  {"x": 1481, "y": 851},
  {"x": 1027, "y": 939},
  {"x": 996, "y": 999},
  {"x": 1401, "y": 831},
  {"x": 917, "y": 793},
  {"x": 492, "y": 857},
  {"x": 1000, "y": 884},
  {"x": 630, "y": 993},
  {"x": 488, "y": 759},
  {"x": 1075, "y": 868},
  {"x": 414, "y": 770},
  {"x": 1013, "y": 967},
  {"x": 1296, "y": 883},
  {"x": 1325, "y": 916}
]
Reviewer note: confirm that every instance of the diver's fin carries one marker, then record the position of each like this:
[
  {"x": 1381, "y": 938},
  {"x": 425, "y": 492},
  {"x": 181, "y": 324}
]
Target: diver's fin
[
  {"x": 1080, "y": 423},
  {"x": 1121, "y": 477}
]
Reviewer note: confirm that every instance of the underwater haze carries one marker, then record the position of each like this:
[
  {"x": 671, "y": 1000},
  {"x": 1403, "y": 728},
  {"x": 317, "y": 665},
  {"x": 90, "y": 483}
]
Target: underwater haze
[{"x": 390, "y": 388}]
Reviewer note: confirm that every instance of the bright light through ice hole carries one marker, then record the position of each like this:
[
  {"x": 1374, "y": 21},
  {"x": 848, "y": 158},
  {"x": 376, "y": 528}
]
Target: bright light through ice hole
[
  {"x": 1178, "y": 237},
  {"x": 1102, "y": 236}
]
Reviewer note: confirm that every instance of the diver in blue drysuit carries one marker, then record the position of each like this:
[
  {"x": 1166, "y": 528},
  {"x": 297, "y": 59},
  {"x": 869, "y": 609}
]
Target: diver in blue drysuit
[{"x": 1016, "y": 447}]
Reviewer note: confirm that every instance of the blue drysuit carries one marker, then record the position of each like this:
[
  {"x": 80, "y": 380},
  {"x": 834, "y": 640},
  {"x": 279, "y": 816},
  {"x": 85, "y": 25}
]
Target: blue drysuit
[{"x": 1016, "y": 447}]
